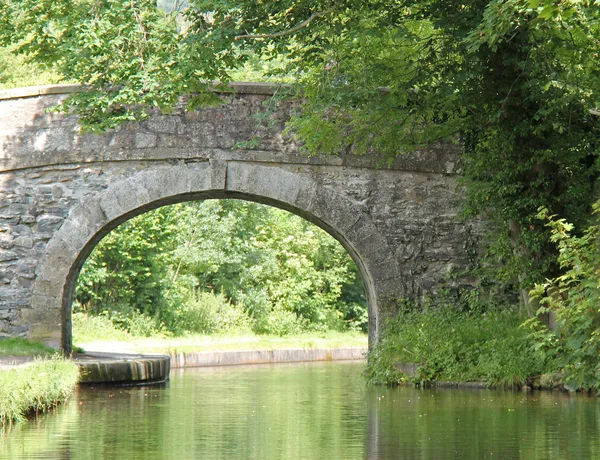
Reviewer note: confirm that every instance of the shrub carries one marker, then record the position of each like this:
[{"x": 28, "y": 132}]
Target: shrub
[
  {"x": 280, "y": 322},
  {"x": 132, "y": 321},
  {"x": 208, "y": 313},
  {"x": 456, "y": 345},
  {"x": 574, "y": 299}
]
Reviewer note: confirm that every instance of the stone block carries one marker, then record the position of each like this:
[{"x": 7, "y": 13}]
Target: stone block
[
  {"x": 334, "y": 211},
  {"x": 145, "y": 140},
  {"x": 83, "y": 223},
  {"x": 121, "y": 140},
  {"x": 57, "y": 139},
  {"x": 7, "y": 314},
  {"x": 24, "y": 242},
  {"x": 163, "y": 124},
  {"x": 123, "y": 198},
  {"x": 47, "y": 223},
  {"x": 263, "y": 181},
  {"x": 60, "y": 255},
  {"x": 7, "y": 241},
  {"x": 46, "y": 333},
  {"x": 6, "y": 256},
  {"x": 90, "y": 141},
  {"x": 28, "y": 219},
  {"x": 218, "y": 174}
]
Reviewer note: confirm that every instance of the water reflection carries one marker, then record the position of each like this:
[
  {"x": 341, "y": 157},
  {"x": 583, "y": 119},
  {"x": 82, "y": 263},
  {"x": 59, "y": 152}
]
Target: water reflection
[{"x": 309, "y": 411}]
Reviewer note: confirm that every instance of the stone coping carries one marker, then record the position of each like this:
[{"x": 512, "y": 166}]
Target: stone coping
[
  {"x": 234, "y": 87},
  {"x": 245, "y": 357},
  {"x": 121, "y": 368},
  {"x": 137, "y": 368},
  {"x": 129, "y": 368}
]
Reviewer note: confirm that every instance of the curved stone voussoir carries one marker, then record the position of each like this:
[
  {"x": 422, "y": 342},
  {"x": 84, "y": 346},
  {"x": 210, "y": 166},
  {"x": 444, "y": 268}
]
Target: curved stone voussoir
[
  {"x": 60, "y": 254},
  {"x": 170, "y": 181},
  {"x": 124, "y": 197},
  {"x": 335, "y": 210},
  {"x": 265, "y": 181},
  {"x": 83, "y": 224}
]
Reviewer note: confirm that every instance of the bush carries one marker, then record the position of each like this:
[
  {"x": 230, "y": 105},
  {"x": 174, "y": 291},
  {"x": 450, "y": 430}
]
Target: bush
[
  {"x": 279, "y": 322},
  {"x": 574, "y": 299},
  {"x": 455, "y": 345},
  {"x": 208, "y": 313},
  {"x": 135, "y": 323}
]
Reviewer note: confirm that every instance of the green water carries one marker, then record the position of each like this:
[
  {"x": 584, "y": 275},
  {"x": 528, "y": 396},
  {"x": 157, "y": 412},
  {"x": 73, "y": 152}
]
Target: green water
[{"x": 306, "y": 411}]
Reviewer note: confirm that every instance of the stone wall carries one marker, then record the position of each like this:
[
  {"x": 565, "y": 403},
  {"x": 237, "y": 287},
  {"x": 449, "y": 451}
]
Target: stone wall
[{"x": 61, "y": 191}]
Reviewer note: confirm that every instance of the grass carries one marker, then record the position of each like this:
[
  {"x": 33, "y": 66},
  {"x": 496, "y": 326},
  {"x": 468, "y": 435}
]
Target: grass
[
  {"x": 34, "y": 388},
  {"x": 17, "y": 346},
  {"x": 96, "y": 333},
  {"x": 452, "y": 345},
  {"x": 196, "y": 343}
]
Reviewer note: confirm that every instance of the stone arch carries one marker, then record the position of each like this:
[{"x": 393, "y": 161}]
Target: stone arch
[{"x": 162, "y": 184}]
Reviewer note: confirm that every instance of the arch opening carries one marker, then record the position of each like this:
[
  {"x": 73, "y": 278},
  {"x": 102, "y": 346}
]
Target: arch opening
[
  {"x": 159, "y": 185},
  {"x": 217, "y": 266}
]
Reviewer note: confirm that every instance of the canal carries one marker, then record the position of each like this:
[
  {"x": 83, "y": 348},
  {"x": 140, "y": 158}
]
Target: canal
[{"x": 308, "y": 411}]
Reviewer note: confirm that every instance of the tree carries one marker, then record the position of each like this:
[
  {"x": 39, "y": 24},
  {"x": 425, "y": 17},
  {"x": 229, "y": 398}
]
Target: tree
[
  {"x": 274, "y": 265},
  {"x": 514, "y": 81}
]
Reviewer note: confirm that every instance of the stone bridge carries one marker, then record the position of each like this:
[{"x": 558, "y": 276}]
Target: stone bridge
[{"x": 62, "y": 191}]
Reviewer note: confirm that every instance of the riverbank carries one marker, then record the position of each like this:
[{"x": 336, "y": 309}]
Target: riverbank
[
  {"x": 35, "y": 387},
  {"x": 245, "y": 357},
  {"x": 221, "y": 343},
  {"x": 122, "y": 368},
  {"x": 449, "y": 344},
  {"x": 148, "y": 360}
]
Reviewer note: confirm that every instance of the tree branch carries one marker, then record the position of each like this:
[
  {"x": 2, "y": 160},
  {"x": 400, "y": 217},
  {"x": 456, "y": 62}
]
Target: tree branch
[{"x": 296, "y": 28}]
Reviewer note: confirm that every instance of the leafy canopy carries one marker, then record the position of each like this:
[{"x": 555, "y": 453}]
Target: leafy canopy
[{"x": 515, "y": 81}]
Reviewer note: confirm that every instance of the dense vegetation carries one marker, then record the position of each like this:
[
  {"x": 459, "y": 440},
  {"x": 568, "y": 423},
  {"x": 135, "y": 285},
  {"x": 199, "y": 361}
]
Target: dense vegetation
[
  {"x": 515, "y": 82},
  {"x": 222, "y": 266},
  {"x": 467, "y": 344}
]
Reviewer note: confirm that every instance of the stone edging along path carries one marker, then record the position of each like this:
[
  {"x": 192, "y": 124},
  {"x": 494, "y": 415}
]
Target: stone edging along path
[{"x": 98, "y": 367}]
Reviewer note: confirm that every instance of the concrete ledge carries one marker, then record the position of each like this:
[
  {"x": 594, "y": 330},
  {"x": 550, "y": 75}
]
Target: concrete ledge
[
  {"x": 99, "y": 367},
  {"x": 465, "y": 385},
  {"x": 102, "y": 367},
  {"x": 232, "y": 358}
]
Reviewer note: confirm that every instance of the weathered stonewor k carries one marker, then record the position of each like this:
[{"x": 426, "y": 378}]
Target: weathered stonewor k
[{"x": 61, "y": 191}]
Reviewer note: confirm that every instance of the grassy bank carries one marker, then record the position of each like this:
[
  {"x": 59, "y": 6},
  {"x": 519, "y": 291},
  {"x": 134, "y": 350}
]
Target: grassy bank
[
  {"x": 97, "y": 333},
  {"x": 36, "y": 387},
  {"x": 448, "y": 344},
  {"x": 197, "y": 343},
  {"x": 22, "y": 347}
]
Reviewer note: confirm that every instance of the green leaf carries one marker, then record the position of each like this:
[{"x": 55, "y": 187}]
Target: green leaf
[{"x": 548, "y": 11}]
